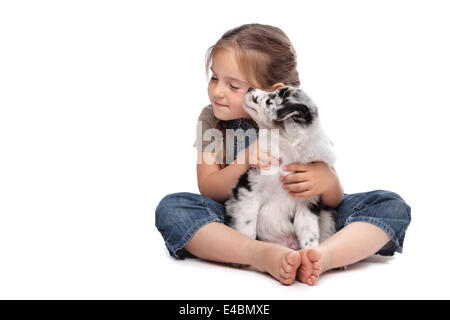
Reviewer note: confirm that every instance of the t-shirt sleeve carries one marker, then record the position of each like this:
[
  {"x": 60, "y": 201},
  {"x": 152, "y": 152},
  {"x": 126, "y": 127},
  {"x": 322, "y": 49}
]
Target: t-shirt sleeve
[{"x": 206, "y": 120}]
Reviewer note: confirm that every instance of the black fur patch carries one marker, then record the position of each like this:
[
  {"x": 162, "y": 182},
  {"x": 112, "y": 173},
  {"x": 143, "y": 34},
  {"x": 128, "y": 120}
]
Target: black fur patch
[
  {"x": 283, "y": 92},
  {"x": 315, "y": 208},
  {"x": 302, "y": 114},
  {"x": 328, "y": 208},
  {"x": 242, "y": 183},
  {"x": 291, "y": 219},
  {"x": 228, "y": 220}
]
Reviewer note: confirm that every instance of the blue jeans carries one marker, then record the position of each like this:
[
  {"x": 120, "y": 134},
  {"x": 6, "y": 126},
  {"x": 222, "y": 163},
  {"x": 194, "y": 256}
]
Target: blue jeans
[{"x": 180, "y": 215}]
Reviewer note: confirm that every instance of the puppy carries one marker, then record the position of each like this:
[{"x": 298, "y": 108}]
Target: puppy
[{"x": 259, "y": 207}]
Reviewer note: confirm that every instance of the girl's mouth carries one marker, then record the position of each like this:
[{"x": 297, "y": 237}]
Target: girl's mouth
[{"x": 220, "y": 105}]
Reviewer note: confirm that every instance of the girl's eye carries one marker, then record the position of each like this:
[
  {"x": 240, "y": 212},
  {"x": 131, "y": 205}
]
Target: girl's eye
[{"x": 232, "y": 87}]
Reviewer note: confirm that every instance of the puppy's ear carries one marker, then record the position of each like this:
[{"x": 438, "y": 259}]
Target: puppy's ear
[{"x": 299, "y": 112}]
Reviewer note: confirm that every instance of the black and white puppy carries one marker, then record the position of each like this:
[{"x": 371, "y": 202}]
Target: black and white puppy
[{"x": 259, "y": 206}]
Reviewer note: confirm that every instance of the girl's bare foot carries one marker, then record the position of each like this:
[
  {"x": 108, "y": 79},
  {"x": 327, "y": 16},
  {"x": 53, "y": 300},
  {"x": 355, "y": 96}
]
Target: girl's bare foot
[
  {"x": 282, "y": 263},
  {"x": 311, "y": 268}
]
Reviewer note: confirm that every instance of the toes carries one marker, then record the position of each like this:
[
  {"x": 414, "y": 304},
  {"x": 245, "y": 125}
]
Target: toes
[
  {"x": 286, "y": 275},
  {"x": 303, "y": 273},
  {"x": 316, "y": 269},
  {"x": 286, "y": 281},
  {"x": 286, "y": 269},
  {"x": 289, "y": 266},
  {"x": 313, "y": 279}
]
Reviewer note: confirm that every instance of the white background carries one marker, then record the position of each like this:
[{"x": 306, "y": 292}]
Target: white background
[{"x": 98, "y": 107}]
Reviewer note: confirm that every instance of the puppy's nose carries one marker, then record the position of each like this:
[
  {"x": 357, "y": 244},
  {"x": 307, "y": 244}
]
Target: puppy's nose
[{"x": 250, "y": 89}]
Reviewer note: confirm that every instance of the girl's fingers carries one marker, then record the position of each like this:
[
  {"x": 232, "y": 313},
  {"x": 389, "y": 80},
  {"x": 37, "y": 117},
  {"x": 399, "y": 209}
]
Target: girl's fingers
[
  {"x": 295, "y": 177},
  {"x": 296, "y": 187},
  {"x": 297, "y": 166},
  {"x": 304, "y": 194}
]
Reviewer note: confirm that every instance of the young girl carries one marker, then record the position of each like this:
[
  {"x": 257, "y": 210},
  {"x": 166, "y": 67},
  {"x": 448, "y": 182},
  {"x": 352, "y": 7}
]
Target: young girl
[{"x": 261, "y": 56}]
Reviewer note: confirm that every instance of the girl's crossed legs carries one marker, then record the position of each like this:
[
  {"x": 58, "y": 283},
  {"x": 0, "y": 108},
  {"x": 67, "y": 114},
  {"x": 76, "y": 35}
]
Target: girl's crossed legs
[{"x": 367, "y": 223}]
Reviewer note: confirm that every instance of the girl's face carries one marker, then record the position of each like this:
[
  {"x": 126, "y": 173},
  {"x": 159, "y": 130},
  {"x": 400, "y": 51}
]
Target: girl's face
[{"x": 227, "y": 86}]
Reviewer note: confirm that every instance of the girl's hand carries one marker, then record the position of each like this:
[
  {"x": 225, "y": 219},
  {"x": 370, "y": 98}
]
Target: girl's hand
[
  {"x": 310, "y": 179},
  {"x": 259, "y": 158}
]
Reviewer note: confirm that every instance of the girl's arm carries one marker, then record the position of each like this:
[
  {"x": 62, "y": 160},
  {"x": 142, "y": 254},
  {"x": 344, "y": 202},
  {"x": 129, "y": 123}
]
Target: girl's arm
[
  {"x": 333, "y": 195},
  {"x": 217, "y": 183}
]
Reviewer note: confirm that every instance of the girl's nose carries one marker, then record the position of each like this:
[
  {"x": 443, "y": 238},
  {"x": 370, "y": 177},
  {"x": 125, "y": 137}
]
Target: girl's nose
[{"x": 218, "y": 91}]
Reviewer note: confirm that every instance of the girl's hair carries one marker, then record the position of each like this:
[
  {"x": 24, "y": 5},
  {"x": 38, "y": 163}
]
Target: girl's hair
[{"x": 264, "y": 55}]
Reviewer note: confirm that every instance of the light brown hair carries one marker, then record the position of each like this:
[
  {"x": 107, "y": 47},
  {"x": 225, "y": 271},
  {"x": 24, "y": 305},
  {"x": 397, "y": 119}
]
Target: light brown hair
[{"x": 264, "y": 55}]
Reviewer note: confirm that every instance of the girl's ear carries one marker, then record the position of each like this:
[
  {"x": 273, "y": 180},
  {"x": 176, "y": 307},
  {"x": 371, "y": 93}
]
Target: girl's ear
[{"x": 277, "y": 85}]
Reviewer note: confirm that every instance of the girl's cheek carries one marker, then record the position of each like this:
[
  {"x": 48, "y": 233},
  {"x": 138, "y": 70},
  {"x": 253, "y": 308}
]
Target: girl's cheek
[
  {"x": 210, "y": 89},
  {"x": 241, "y": 99}
]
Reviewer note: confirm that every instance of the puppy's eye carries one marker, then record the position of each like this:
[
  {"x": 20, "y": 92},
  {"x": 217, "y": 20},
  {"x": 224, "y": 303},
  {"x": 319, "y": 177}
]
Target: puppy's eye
[
  {"x": 268, "y": 103},
  {"x": 255, "y": 100}
]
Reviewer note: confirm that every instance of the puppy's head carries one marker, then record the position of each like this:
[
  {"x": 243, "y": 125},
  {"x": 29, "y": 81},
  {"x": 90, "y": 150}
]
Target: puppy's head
[{"x": 287, "y": 107}]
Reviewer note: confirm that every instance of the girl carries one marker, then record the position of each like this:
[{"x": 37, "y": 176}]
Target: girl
[{"x": 261, "y": 56}]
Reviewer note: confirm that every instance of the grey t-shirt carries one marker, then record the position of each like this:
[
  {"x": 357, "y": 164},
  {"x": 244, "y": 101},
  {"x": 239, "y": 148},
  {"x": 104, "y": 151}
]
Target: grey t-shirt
[
  {"x": 210, "y": 139},
  {"x": 207, "y": 120}
]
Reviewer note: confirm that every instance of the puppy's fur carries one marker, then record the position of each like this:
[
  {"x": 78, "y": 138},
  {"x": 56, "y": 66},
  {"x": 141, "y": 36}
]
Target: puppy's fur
[{"x": 259, "y": 207}]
